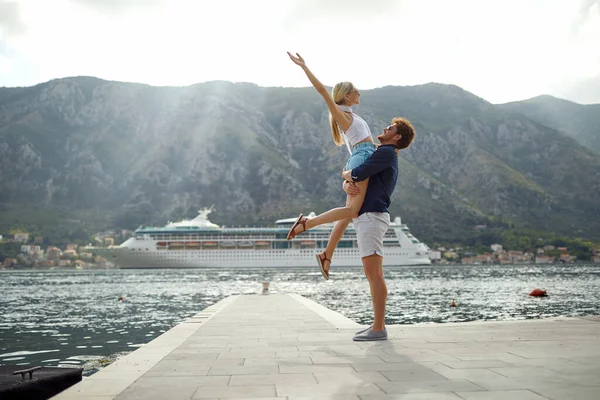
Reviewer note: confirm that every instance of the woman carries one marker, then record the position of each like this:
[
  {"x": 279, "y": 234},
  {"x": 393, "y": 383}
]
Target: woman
[{"x": 345, "y": 126}]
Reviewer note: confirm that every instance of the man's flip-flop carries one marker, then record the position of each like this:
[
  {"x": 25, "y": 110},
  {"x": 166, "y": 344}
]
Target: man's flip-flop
[
  {"x": 322, "y": 267},
  {"x": 291, "y": 234}
]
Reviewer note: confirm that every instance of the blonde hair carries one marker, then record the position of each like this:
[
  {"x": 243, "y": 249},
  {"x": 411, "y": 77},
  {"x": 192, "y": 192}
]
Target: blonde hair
[{"x": 339, "y": 92}]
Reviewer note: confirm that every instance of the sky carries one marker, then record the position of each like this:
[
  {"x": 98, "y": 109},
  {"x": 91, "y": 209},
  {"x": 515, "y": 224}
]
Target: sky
[{"x": 500, "y": 50}]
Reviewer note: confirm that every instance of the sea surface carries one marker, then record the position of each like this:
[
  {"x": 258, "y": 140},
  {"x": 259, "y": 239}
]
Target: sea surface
[{"x": 89, "y": 318}]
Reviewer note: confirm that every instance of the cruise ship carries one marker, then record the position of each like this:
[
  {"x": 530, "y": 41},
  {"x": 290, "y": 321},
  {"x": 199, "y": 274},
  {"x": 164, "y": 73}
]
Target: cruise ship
[{"x": 199, "y": 243}]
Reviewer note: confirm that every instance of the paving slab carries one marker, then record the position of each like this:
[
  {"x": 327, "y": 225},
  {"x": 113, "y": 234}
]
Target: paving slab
[{"x": 287, "y": 347}]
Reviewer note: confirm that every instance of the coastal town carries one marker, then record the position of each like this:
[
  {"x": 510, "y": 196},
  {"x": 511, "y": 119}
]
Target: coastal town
[
  {"x": 547, "y": 254},
  {"x": 32, "y": 254}
]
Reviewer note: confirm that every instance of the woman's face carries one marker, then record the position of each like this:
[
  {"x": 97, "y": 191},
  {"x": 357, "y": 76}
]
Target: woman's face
[{"x": 353, "y": 97}]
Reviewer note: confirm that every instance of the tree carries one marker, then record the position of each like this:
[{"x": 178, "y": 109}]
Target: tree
[
  {"x": 524, "y": 243},
  {"x": 9, "y": 250}
]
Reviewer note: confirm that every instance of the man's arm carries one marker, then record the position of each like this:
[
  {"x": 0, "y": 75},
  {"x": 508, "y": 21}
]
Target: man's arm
[{"x": 382, "y": 158}]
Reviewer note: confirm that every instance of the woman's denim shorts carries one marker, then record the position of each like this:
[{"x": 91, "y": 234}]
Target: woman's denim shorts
[{"x": 360, "y": 153}]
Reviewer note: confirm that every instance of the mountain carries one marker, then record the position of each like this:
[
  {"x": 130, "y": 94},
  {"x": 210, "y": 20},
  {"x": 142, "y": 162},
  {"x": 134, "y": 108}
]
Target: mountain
[
  {"x": 581, "y": 122},
  {"x": 112, "y": 154}
]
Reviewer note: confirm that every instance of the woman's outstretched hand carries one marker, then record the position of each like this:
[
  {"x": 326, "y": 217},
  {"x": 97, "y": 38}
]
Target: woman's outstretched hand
[{"x": 297, "y": 60}]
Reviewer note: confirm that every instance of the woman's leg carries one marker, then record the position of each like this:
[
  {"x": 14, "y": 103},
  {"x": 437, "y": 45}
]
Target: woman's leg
[
  {"x": 334, "y": 238},
  {"x": 353, "y": 205}
]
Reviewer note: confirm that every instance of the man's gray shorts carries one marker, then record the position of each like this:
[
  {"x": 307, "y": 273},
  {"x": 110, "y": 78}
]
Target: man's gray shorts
[{"x": 370, "y": 228}]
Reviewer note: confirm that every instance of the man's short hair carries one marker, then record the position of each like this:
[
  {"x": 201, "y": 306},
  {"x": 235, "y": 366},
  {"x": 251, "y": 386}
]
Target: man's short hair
[{"x": 406, "y": 130}]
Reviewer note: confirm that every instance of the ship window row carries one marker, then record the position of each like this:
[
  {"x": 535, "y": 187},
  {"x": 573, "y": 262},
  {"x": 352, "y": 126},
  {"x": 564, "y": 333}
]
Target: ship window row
[
  {"x": 258, "y": 249},
  {"x": 215, "y": 237},
  {"x": 272, "y": 255},
  {"x": 343, "y": 245},
  {"x": 234, "y": 255},
  {"x": 244, "y": 239},
  {"x": 282, "y": 236},
  {"x": 226, "y": 256},
  {"x": 252, "y": 255},
  {"x": 304, "y": 241},
  {"x": 309, "y": 234}
]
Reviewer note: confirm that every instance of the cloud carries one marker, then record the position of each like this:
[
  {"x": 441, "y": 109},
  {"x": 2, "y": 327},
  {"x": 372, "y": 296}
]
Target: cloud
[
  {"x": 585, "y": 91},
  {"x": 342, "y": 8},
  {"x": 118, "y": 6},
  {"x": 500, "y": 50},
  {"x": 587, "y": 6},
  {"x": 303, "y": 12},
  {"x": 11, "y": 23},
  {"x": 584, "y": 48}
]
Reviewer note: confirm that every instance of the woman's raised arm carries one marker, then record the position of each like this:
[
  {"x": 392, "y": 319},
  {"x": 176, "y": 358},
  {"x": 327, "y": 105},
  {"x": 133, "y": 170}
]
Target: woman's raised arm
[{"x": 343, "y": 119}]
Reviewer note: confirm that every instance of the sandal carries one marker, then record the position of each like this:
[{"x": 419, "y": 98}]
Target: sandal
[
  {"x": 300, "y": 221},
  {"x": 321, "y": 261}
]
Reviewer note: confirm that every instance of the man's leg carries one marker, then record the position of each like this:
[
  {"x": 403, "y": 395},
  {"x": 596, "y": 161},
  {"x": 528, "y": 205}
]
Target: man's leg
[
  {"x": 373, "y": 266},
  {"x": 370, "y": 229}
]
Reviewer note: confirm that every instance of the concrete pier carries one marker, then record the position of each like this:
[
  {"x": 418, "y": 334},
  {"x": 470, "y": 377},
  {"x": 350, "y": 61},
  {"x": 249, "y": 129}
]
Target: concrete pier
[{"x": 283, "y": 346}]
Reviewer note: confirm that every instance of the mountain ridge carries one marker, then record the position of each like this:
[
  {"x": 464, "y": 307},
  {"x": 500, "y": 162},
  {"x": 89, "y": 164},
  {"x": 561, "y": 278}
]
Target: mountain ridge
[{"x": 144, "y": 154}]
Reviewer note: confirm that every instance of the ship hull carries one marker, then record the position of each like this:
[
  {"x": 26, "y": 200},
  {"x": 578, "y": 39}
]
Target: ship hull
[{"x": 289, "y": 258}]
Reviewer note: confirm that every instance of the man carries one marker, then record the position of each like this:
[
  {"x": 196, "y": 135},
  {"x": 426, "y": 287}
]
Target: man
[{"x": 373, "y": 218}]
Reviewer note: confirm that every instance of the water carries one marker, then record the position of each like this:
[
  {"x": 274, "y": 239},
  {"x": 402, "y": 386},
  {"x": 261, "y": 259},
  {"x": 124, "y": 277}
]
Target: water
[{"x": 76, "y": 318}]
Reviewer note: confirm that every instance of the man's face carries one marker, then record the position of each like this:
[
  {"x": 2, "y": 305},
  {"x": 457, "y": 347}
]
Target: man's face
[{"x": 389, "y": 135}]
